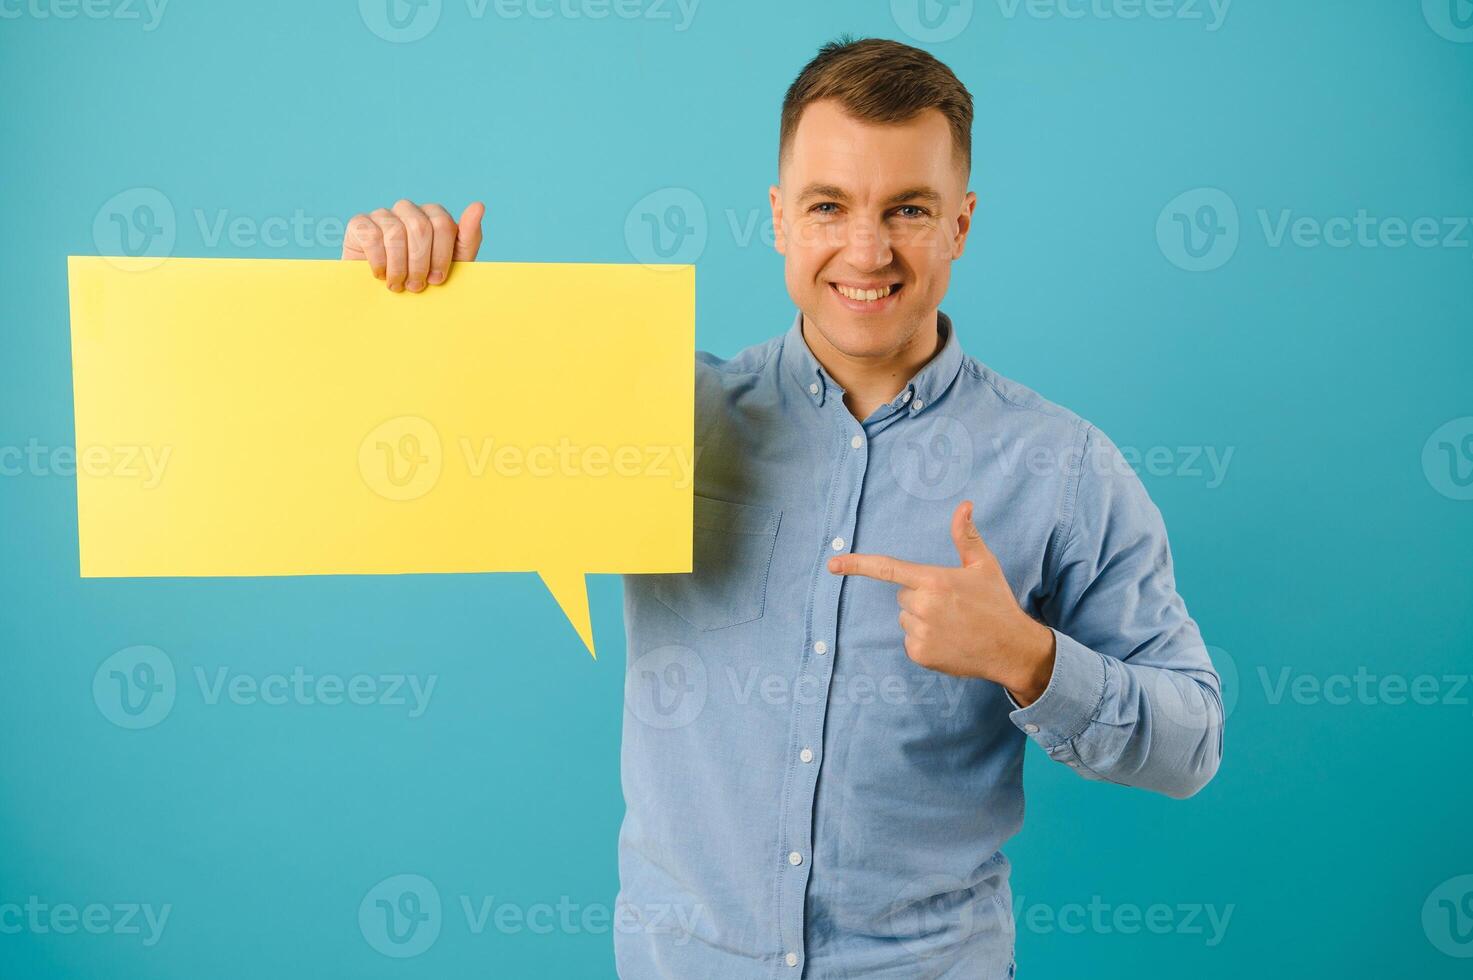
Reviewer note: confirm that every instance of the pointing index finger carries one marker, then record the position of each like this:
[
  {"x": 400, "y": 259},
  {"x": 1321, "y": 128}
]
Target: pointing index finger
[{"x": 882, "y": 567}]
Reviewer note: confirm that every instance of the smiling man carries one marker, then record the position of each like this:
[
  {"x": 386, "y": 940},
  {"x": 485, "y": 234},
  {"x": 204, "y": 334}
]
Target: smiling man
[{"x": 825, "y": 722}]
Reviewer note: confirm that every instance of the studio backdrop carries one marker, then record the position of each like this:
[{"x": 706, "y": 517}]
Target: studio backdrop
[{"x": 1234, "y": 234}]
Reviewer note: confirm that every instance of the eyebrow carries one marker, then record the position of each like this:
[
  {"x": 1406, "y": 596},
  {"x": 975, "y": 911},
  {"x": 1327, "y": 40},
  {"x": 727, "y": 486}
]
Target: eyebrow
[{"x": 921, "y": 193}]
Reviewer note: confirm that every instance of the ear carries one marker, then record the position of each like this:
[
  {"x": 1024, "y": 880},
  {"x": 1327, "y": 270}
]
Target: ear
[
  {"x": 775, "y": 201},
  {"x": 964, "y": 224}
]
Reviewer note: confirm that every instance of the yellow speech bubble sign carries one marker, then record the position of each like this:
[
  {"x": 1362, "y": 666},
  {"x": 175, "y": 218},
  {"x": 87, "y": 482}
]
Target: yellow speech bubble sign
[{"x": 275, "y": 417}]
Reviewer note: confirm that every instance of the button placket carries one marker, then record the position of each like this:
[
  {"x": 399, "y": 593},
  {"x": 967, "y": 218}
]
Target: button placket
[{"x": 815, "y": 673}]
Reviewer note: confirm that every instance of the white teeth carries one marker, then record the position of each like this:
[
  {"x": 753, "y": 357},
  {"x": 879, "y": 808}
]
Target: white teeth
[{"x": 865, "y": 295}]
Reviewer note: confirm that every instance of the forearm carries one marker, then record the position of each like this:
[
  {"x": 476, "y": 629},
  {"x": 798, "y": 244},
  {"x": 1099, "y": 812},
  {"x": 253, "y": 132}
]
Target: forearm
[{"x": 1153, "y": 727}]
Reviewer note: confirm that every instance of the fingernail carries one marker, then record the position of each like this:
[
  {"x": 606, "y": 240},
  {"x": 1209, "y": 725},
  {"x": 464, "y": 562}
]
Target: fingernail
[
  {"x": 436, "y": 278},
  {"x": 416, "y": 286},
  {"x": 394, "y": 287}
]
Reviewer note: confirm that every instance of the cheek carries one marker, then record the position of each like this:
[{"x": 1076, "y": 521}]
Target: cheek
[{"x": 803, "y": 257}]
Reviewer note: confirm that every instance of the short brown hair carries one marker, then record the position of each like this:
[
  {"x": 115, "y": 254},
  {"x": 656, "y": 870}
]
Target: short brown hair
[{"x": 880, "y": 81}]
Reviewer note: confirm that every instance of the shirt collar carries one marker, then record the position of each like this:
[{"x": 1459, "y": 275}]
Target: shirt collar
[{"x": 928, "y": 384}]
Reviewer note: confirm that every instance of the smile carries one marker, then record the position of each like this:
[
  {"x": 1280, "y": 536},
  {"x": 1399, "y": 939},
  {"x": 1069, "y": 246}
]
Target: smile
[{"x": 866, "y": 299}]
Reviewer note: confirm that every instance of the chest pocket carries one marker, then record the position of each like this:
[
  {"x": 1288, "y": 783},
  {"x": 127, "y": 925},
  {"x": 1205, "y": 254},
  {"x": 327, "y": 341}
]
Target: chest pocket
[{"x": 732, "y": 555}]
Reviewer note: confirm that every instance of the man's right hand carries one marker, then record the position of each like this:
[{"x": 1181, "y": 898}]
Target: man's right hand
[{"x": 412, "y": 245}]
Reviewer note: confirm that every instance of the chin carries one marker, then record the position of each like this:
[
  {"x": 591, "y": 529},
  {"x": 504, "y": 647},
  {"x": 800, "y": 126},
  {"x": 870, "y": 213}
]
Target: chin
[{"x": 863, "y": 339}]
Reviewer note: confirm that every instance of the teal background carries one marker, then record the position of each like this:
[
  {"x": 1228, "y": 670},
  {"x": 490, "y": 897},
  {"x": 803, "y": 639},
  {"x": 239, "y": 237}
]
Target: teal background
[{"x": 1327, "y": 548}]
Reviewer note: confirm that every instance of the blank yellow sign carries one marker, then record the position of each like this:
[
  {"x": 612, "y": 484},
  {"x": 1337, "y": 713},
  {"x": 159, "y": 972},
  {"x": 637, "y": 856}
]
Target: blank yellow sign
[{"x": 278, "y": 417}]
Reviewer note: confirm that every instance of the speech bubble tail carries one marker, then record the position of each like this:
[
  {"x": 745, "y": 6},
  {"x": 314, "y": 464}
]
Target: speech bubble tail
[{"x": 570, "y": 590}]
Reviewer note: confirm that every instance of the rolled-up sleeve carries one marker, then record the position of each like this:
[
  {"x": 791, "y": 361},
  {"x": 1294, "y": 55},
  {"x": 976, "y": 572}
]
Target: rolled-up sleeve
[{"x": 1133, "y": 698}]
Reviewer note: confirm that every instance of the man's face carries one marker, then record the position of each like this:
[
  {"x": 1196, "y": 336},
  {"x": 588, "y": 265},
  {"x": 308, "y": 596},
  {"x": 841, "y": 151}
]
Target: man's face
[{"x": 880, "y": 208}]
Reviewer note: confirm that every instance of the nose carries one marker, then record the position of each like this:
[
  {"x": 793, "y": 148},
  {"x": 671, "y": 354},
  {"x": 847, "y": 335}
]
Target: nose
[{"x": 867, "y": 245}]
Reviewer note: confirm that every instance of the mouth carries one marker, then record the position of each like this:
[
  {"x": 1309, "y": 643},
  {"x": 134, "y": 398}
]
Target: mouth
[{"x": 866, "y": 299}]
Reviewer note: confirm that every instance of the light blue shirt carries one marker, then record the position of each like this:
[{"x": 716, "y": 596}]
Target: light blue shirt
[{"x": 803, "y": 799}]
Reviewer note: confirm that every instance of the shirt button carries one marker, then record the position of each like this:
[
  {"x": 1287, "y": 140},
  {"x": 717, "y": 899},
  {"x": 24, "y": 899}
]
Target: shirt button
[
  {"x": 795, "y": 859},
  {"x": 905, "y": 397},
  {"x": 813, "y": 389},
  {"x": 820, "y": 648},
  {"x": 837, "y": 544},
  {"x": 857, "y": 442},
  {"x": 806, "y": 755},
  {"x": 791, "y": 959},
  {"x": 918, "y": 405},
  {"x": 1031, "y": 729}
]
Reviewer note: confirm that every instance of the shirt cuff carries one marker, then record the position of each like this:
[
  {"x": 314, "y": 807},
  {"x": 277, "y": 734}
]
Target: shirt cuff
[{"x": 1069, "y": 702}]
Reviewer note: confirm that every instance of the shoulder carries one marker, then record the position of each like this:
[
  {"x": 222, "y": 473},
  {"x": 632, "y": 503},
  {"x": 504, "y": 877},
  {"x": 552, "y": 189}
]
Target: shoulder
[
  {"x": 1021, "y": 412},
  {"x": 1050, "y": 438}
]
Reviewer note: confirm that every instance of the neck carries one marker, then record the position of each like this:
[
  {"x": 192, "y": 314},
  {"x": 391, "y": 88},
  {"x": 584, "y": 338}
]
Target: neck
[{"x": 870, "y": 382}]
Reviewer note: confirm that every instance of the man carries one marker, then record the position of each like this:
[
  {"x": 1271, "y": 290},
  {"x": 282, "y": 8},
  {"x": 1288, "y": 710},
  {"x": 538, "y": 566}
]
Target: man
[{"x": 906, "y": 565}]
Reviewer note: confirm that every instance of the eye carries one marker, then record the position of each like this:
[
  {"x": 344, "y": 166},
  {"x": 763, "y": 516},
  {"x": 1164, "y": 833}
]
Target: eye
[
  {"x": 819, "y": 208},
  {"x": 915, "y": 211}
]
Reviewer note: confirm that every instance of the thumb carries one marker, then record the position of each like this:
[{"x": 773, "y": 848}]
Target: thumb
[
  {"x": 468, "y": 232},
  {"x": 964, "y": 534}
]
